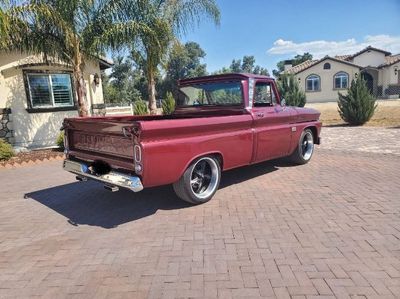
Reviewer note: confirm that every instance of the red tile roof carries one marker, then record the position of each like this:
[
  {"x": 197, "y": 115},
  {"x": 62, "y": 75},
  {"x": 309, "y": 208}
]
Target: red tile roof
[
  {"x": 343, "y": 57},
  {"x": 369, "y": 48},
  {"x": 309, "y": 63},
  {"x": 389, "y": 60},
  {"x": 301, "y": 67}
]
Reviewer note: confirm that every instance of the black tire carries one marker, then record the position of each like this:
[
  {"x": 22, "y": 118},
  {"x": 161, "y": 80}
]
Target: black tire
[
  {"x": 304, "y": 149},
  {"x": 200, "y": 181}
]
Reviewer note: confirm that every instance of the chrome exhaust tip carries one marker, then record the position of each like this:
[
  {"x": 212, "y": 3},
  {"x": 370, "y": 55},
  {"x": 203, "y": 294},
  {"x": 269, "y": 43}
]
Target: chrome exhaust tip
[
  {"x": 81, "y": 178},
  {"x": 111, "y": 188}
]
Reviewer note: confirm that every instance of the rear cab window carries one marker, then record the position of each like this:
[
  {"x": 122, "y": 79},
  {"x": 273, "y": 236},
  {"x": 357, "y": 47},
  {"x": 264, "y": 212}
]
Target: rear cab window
[{"x": 211, "y": 94}]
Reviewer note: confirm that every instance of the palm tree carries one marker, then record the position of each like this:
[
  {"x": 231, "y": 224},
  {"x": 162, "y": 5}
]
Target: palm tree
[
  {"x": 167, "y": 19},
  {"x": 72, "y": 31}
]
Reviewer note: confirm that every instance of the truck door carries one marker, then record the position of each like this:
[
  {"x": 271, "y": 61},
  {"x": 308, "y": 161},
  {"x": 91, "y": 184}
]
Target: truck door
[{"x": 271, "y": 123}]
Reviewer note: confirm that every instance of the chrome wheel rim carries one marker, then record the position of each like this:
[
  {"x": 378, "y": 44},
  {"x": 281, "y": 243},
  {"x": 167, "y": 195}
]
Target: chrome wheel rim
[
  {"x": 204, "y": 178},
  {"x": 307, "y": 146}
]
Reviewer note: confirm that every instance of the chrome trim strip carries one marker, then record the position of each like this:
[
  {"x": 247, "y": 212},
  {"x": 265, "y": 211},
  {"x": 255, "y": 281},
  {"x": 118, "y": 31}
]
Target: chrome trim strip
[
  {"x": 251, "y": 93},
  {"x": 132, "y": 183}
]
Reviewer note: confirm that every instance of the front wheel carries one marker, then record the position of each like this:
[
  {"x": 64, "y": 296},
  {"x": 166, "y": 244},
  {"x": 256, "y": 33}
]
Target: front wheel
[
  {"x": 200, "y": 181},
  {"x": 304, "y": 149}
]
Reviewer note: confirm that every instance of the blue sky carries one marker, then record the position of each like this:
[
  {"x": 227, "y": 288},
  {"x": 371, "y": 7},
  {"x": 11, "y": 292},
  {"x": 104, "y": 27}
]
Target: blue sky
[{"x": 273, "y": 30}]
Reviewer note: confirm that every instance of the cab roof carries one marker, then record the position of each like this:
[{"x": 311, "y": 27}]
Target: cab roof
[{"x": 219, "y": 77}]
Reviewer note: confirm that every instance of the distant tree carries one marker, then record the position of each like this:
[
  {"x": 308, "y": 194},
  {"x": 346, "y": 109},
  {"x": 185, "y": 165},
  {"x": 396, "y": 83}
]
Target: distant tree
[
  {"x": 184, "y": 61},
  {"x": 123, "y": 84},
  {"x": 290, "y": 90},
  {"x": 301, "y": 58},
  {"x": 236, "y": 66},
  {"x": 246, "y": 65},
  {"x": 295, "y": 61},
  {"x": 194, "y": 66}
]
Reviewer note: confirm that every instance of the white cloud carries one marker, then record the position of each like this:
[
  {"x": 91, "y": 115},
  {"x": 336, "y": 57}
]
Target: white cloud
[{"x": 320, "y": 48}]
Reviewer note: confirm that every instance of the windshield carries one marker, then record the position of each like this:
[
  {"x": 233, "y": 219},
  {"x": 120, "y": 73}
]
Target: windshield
[{"x": 211, "y": 94}]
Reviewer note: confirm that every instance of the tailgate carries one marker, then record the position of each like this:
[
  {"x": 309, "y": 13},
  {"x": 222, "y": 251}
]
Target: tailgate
[{"x": 91, "y": 139}]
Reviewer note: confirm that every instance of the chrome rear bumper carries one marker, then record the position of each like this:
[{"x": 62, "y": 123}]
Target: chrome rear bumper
[{"x": 132, "y": 183}]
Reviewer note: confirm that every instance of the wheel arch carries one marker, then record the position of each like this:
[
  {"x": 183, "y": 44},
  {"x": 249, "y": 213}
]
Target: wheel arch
[
  {"x": 218, "y": 155},
  {"x": 314, "y": 131}
]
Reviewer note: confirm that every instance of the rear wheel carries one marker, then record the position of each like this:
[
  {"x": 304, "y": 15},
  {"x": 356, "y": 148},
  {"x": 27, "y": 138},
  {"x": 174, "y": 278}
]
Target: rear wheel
[
  {"x": 304, "y": 149},
  {"x": 200, "y": 181}
]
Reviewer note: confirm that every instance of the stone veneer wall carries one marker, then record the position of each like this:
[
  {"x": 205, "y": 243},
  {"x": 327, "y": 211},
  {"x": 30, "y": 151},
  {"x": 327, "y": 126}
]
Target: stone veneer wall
[{"x": 6, "y": 131}]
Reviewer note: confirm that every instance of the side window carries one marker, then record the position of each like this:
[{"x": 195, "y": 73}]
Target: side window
[{"x": 264, "y": 95}]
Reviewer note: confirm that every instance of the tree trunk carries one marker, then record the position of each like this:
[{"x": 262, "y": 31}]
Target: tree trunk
[
  {"x": 80, "y": 86},
  {"x": 151, "y": 86}
]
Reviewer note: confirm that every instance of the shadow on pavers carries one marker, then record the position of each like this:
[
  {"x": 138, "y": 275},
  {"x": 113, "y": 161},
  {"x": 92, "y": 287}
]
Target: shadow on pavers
[{"x": 89, "y": 204}]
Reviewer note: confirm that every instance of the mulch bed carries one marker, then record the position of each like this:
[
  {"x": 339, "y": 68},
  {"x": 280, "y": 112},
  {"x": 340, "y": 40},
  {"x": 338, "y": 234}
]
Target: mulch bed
[{"x": 32, "y": 157}]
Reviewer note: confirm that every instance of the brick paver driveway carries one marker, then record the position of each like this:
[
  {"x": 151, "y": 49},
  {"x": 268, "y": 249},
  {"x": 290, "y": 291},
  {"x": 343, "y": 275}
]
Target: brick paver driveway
[{"x": 327, "y": 229}]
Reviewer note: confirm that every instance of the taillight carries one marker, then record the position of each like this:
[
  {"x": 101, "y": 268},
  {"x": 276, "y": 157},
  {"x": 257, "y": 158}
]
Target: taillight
[
  {"x": 66, "y": 145},
  {"x": 137, "y": 156}
]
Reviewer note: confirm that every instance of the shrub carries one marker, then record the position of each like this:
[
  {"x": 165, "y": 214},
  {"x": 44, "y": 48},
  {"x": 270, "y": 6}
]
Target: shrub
[
  {"x": 168, "y": 105},
  {"x": 60, "y": 140},
  {"x": 358, "y": 106},
  {"x": 6, "y": 150},
  {"x": 289, "y": 89},
  {"x": 140, "y": 108}
]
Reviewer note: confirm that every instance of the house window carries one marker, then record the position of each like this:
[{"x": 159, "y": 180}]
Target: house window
[
  {"x": 327, "y": 66},
  {"x": 341, "y": 80},
  {"x": 49, "y": 90},
  {"x": 313, "y": 83}
]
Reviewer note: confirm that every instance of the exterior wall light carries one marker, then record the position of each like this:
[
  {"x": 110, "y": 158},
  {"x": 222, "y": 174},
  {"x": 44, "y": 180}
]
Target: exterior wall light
[
  {"x": 396, "y": 71},
  {"x": 96, "y": 79}
]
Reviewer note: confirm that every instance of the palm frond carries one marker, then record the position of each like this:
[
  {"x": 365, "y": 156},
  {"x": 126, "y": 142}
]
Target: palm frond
[{"x": 187, "y": 14}]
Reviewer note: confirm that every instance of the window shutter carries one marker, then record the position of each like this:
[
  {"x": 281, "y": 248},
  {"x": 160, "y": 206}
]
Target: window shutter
[{"x": 62, "y": 92}]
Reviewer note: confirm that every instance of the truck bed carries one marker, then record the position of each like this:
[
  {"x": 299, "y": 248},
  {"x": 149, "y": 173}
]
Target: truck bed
[{"x": 102, "y": 138}]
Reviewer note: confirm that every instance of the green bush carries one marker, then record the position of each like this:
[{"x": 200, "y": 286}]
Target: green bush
[
  {"x": 358, "y": 106},
  {"x": 289, "y": 89},
  {"x": 6, "y": 150},
  {"x": 60, "y": 140},
  {"x": 140, "y": 108},
  {"x": 168, "y": 105}
]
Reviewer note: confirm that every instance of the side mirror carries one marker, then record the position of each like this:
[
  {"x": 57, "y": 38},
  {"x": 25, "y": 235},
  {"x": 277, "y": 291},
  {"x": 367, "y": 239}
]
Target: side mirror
[{"x": 283, "y": 102}]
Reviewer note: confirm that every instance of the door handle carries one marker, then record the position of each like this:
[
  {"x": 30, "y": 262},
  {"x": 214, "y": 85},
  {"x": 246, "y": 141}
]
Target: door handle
[{"x": 260, "y": 114}]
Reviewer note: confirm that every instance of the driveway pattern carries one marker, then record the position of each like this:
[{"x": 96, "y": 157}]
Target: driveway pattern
[
  {"x": 362, "y": 139},
  {"x": 327, "y": 229}
]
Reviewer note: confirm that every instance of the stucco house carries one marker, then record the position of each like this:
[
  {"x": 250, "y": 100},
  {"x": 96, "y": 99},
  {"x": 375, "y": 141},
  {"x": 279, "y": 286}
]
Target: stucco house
[
  {"x": 37, "y": 93},
  {"x": 322, "y": 79}
]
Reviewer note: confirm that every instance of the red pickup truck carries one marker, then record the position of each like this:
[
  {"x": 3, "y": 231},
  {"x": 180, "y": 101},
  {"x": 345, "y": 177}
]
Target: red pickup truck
[{"x": 220, "y": 122}]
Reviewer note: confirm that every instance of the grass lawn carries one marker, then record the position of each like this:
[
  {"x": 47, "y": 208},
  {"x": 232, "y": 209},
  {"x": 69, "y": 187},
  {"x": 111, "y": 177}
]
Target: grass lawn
[{"x": 386, "y": 115}]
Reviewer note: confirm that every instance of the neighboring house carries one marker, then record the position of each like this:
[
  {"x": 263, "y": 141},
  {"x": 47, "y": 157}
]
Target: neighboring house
[
  {"x": 322, "y": 79},
  {"x": 37, "y": 93}
]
